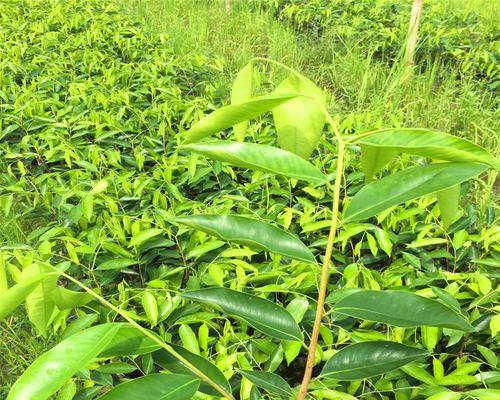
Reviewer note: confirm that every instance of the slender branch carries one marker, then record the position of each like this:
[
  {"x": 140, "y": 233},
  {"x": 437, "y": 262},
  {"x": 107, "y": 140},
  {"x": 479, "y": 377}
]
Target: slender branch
[
  {"x": 324, "y": 274},
  {"x": 147, "y": 333}
]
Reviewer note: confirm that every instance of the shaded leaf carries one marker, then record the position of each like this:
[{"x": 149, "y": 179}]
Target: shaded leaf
[
  {"x": 367, "y": 359},
  {"x": 269, "y": 381},
  {"x": 169, "y": 362},
  {"x": 400, "y": 308},
  {"x": 65, "y": 298},
  {"x": 129, "y": 341},
  {"x": 373, "y": 159},
  {"x": 262, "y": 314}
]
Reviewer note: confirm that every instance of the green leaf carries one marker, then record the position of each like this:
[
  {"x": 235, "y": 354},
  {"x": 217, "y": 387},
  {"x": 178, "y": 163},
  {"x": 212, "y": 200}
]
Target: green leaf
[
  {"x": 448, "y": 200},
  {"x": 188, "y": 339},
  {"x": 144, "y": 236},
  {"x": 39, "y": 303},
  {"x": 169, "y": 362},
  {"x": 367, "y": 359},
  {"x": 300, "y": 121},
  {"x": 68, "y": 391},
  {"x": 129, "y": 341},
  {"x": 431, "y": 144},
  {"x": 228, "y": 116},
  {"x": 407, "y": 185},
  {"x": 262, "y": 314},
  {"x": 250, "y": 232},
  {"x": 270, "y": 382},
  {"x": 65, "y": 298},
  {"x": 240, "y": 93},
  {"x": 14, "y": 296},
  {"x": 400, "y": 308},
  {"x": 373, "y": 159},
  {"x": 116, "y": 263},
  {"x": 49, "y": 372},
  {"x": 259, "y": 157},
  {"x": 150, "y": 306},
  {"x": 155, "y": 386}
]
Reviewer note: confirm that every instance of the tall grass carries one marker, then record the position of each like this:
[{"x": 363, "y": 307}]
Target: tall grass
[{"x": 364, "y": 92}]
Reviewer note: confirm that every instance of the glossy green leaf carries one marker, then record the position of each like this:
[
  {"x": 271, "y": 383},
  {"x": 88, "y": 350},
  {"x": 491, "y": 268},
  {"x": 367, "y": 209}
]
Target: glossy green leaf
[
  {"x": 68, "y": 391},
  {"x": 367, "y": 359},
  {"x": 262, "y": 314},
  {"x": 155, "y": 386},
  {"x": 448, "y": 200},
  {"x": 299, "y": 122},
  {"x": 241, "y": 92},
  {"x": 228, "y": 116},
  {"x": 169, "y": 362},
  {"x": 14, "y": 296},
  {"x": 65, "y": 298},
  {"x": 259, "y": 157},
  {"x": 49, "y": 372},
  {"x": 407, "y": 185},
  {"x": 129, "y": 341},
  {"x": 431, "y": 144},
  {"x": 270, "y": 382},
  {"x": 189, "y": 339},
  {"x": 400, "y": 308},
  {"x": 250, "y": 232}
]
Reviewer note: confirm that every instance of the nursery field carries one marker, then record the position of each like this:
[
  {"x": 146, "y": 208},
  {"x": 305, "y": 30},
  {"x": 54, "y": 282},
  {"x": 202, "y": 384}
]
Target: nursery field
[{"x": 249, "y": 199}]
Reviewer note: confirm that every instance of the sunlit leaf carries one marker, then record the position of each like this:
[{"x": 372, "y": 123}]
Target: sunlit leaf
[
  {"x": 299, "y": 122},
  {"x": 259, "y": 157},
  {"x": 250, "y": 232},
  {"x": 407, "y": 185}
]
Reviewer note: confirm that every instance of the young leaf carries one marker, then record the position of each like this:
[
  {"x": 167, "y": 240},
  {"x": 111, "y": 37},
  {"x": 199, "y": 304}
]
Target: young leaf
[
  {"x": 64, "y": 298},
  {"x": 407, "y": 185},
  {"x": 270, "y": 382},
  {"x": 39, "y": 303},
  {"x": 448, "y": 200},
  {"x": 240, "y": 93},
  {"x": 259, "y": 157},
  {"x": 367, "y": 359},
  {"x": 428, "y": 143},
  {"x": 155, "y": 386},
  {"x": 250, "y": 232},
  {"x": 150, "y": 306},
  {"x": 14, "y": 296},
  {"x": 400, "y": 308},
  {"x": 373, "y": 159},
  {"x": 144, "y": 236},
  {"x": 262, "y": 314},
  {"x": 228, "y": 116},
  {"x": 49, "y": 372},
  {"x": 129, "y": 341},
  {"x": 300, "y": 121},
  {"x": 116, "y": 263},
  {"x": 169, "y": 362}
]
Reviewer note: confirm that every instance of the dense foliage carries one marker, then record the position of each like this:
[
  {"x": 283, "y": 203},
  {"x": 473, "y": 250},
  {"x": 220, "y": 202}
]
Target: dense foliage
[
  {"x": 459, "y": 37},
  {"x": 92, "y": 113}
]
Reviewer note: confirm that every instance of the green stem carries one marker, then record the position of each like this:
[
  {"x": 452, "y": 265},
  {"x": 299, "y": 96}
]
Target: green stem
[{"x": 147, "y": 333}]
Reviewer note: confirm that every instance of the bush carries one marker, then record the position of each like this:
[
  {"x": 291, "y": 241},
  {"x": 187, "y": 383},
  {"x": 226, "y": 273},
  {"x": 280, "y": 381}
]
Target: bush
[{"x": 93, "y": 110}]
